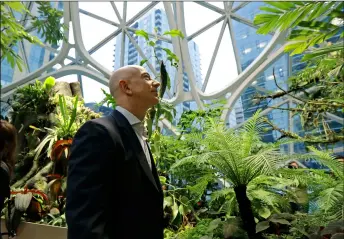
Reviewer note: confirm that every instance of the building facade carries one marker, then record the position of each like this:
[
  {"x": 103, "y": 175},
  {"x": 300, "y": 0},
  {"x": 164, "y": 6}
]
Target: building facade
[{"x": 250, "y": 45}]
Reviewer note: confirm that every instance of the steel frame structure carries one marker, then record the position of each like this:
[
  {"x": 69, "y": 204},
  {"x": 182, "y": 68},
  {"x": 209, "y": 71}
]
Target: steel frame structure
[{"x": 84, "y": 64}]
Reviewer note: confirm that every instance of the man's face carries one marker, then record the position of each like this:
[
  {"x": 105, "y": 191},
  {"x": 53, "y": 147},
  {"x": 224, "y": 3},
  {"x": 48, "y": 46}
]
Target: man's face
[{"x": 144, "y": 88}]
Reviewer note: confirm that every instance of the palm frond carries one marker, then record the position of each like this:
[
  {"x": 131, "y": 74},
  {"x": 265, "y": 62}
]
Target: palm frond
[
  {"x": 306, "y": 177},
  {"x": 325, "y": 158},
  {"x": 250, "y": 132},
  {"x": 265, "y": 161},
  {"x": 216, "y": 195},
  {"x": 331, "y": 200},
  {"x": 194, "y": 160},
  {"x": 198, "y": 189}
]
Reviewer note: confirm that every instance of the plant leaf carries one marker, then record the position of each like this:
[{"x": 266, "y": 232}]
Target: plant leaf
[
  {"x": 261, "y": 226},
  {"x": 174, "y": 33},
  {"x": 142, "y": 62},
  {"x": 264, "y": 212},
  {"x": 280, "y": 221},
  {"x": 142, "y": 33},
  {"x": 168, "y": 201}
]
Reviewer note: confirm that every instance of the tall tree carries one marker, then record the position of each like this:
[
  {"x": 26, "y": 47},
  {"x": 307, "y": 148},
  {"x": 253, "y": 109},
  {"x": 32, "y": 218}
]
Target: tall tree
[{"x": 238, "y": 157}]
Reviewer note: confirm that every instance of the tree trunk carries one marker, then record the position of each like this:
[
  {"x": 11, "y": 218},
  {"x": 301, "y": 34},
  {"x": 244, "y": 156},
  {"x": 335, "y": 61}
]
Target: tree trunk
[{"x": 246, "y": 212}]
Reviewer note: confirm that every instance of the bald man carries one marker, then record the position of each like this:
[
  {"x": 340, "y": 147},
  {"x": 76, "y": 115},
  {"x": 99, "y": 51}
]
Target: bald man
[{"x": 113, "y": 188}]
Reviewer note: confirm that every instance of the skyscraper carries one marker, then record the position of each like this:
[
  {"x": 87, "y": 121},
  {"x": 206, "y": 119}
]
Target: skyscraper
[
  {"x": 36, "y": 55},
  {"x": 157, "y": 19},
  {"x": 250, "y": 45}
]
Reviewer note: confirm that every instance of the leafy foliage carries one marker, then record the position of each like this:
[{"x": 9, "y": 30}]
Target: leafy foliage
[
  {"x": 12, "y": 31},
  {"x": 317, "y": 89},
  {"x": 238, "y": 157},
  {"x": 109, "y": 100},
  {"x": 309, "y": 27}
]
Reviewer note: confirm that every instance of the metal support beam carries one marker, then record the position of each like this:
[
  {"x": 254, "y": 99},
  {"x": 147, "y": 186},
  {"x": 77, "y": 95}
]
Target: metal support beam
[
  {"x": 116, "y": 12},
  {"x": 104, "y": 41},
  {"x": 81, "y": 85},
  {"x": 211, "y": 7},
  {"x": 226, "y": 111},
  {"x": 203, "y": 29},
  {"x": 122, "y": 49},
  {"x": 26, "y": 62},
  {"x": 99, "y": 18},
  {"x": 178, "y": 81},
  {"x": 186, "y": 56},
  {"x": 241, "y": 5},
  {"x": 141, "y": 13},
  {"x": 230, "y": 5},
  {"x": 217, "y": 46}
]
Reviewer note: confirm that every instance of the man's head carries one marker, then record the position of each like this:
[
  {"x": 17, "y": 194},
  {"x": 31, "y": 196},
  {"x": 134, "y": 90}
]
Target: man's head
[{"x": 133, "y": 86}]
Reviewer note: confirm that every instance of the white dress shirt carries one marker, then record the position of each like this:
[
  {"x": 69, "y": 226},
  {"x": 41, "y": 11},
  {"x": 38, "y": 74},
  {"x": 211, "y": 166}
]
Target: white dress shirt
[{"x": 138, "y": 128}]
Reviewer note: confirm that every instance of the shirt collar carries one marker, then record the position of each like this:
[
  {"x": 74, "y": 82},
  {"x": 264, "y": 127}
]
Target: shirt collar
[{"x": 129, "y": 116}]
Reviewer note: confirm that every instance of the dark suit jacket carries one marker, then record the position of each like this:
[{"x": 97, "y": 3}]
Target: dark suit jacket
[{"x": 111, "y": 191}]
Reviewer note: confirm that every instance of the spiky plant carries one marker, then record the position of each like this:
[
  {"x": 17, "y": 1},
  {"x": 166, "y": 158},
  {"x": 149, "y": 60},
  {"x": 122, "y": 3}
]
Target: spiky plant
[{"x": 239, "y": 157}]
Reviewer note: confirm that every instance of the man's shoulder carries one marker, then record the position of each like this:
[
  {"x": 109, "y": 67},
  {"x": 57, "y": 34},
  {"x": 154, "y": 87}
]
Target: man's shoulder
[{"x": 105, "y": 122}]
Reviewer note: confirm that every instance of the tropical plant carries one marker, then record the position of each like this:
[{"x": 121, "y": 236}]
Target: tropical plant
[
  {"x": 30, "y": 104},
  {"x": 12, "y": 30},
  {"x": 268, "y": 195},
  {"x": 311, "y": 23},
  {"x": 69, "y": 116},
  {"x": 108, "y": 100},
  {"x": 205, "y": 229},
  {"x": 317, "y": 33},
  {"x": 163, "y": 109},
  {"x": 238, "y": 157},
  {"x": 326, "y": 190}
]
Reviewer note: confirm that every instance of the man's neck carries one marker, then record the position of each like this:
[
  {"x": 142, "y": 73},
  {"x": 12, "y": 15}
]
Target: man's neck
[{"x": 134, "y": 110}]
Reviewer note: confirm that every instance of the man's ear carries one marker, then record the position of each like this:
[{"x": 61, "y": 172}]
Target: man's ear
[{"x": 124, "y": 87}]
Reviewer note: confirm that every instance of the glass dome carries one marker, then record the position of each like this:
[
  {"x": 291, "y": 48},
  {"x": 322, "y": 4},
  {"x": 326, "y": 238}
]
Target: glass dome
[{"x": 221, "y": 55}]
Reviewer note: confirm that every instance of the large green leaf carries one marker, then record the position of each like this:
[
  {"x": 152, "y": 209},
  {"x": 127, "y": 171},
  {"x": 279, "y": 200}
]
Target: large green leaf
[
  {"x": 264, "y": 212},
  {"x": 280, "y": 221},
  {"x": 174, "y": 33},
  {"x": 142, "y": 62},
  {"x": 175, "y": 210},
  {"x": 261, "y": 226},
  {"x": 214, "y": 224},
  {"x": 168, "y": 201},
  {"x": 142, "y": 33},
  {"x": 17, "y": 6},
  {"x": 49, "y": 83},
  {"x": 181, "y": 209}
]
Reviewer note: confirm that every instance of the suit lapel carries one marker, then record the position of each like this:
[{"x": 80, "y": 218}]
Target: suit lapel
[
  {"x": 154, "y": 170},
  {"x": 129, "y": 137}
]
